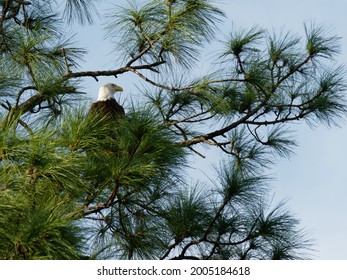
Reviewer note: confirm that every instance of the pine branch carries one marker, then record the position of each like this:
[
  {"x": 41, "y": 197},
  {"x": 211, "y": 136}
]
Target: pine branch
[
  {"x": 115, "y": 72},
  {"x": 222, "y": 131}
]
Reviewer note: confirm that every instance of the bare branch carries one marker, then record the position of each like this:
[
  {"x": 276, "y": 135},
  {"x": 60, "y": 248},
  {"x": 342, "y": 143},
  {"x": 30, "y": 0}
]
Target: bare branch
[
  {"x": 115, "y": 72},
  {"x": 20, "y": 93}
]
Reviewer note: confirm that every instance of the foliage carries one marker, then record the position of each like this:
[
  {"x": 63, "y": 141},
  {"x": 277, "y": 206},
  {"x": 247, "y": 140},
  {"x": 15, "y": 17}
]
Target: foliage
[{"x": 76, "y": 186}]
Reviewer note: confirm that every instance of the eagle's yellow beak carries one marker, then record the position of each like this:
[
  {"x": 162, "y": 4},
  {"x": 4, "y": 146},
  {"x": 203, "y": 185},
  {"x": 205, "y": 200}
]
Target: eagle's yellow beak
[{"x": 117, "y": 88}]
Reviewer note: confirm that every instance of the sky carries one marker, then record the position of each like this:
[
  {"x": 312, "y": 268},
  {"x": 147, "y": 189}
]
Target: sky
[{"x": 314, "y": 178}]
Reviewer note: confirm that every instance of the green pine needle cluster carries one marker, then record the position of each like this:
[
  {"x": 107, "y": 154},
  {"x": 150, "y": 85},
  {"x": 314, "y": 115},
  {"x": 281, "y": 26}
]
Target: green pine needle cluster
[{"x": 164, "y": 30}]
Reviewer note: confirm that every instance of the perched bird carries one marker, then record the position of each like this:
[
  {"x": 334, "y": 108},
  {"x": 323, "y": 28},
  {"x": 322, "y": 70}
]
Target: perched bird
[{"x": 106, "y": 103}]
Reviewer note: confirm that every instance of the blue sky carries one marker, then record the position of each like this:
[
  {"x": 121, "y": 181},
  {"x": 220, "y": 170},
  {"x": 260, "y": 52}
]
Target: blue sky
[{"x": 314, "y": 179}]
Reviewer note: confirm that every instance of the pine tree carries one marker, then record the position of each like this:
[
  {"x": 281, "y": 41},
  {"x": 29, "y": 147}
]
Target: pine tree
[{"x": 74, "y": 186}]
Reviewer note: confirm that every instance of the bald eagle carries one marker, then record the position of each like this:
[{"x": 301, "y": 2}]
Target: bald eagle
[{"x": 106, "y": 103}]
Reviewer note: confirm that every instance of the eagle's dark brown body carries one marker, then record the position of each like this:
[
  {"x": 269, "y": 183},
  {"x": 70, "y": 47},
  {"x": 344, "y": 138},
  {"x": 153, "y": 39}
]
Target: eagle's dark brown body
[{"x": 108, "y": 107}]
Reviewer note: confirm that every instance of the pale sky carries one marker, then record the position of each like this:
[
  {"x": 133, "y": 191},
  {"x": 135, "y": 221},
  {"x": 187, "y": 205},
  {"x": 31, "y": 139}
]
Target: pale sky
[{"x": 314, "y": 179}]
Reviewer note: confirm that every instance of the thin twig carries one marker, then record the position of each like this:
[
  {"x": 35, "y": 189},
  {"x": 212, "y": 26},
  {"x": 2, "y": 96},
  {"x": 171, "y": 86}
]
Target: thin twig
[
  {"x": 26, "y": 126},
  {"x": 20, "y": 93},
  {"x": 67, "y": 66}
]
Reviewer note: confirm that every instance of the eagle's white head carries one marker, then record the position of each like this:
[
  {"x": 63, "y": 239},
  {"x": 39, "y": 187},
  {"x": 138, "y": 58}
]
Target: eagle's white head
[{"x": 107, "y": 91}]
